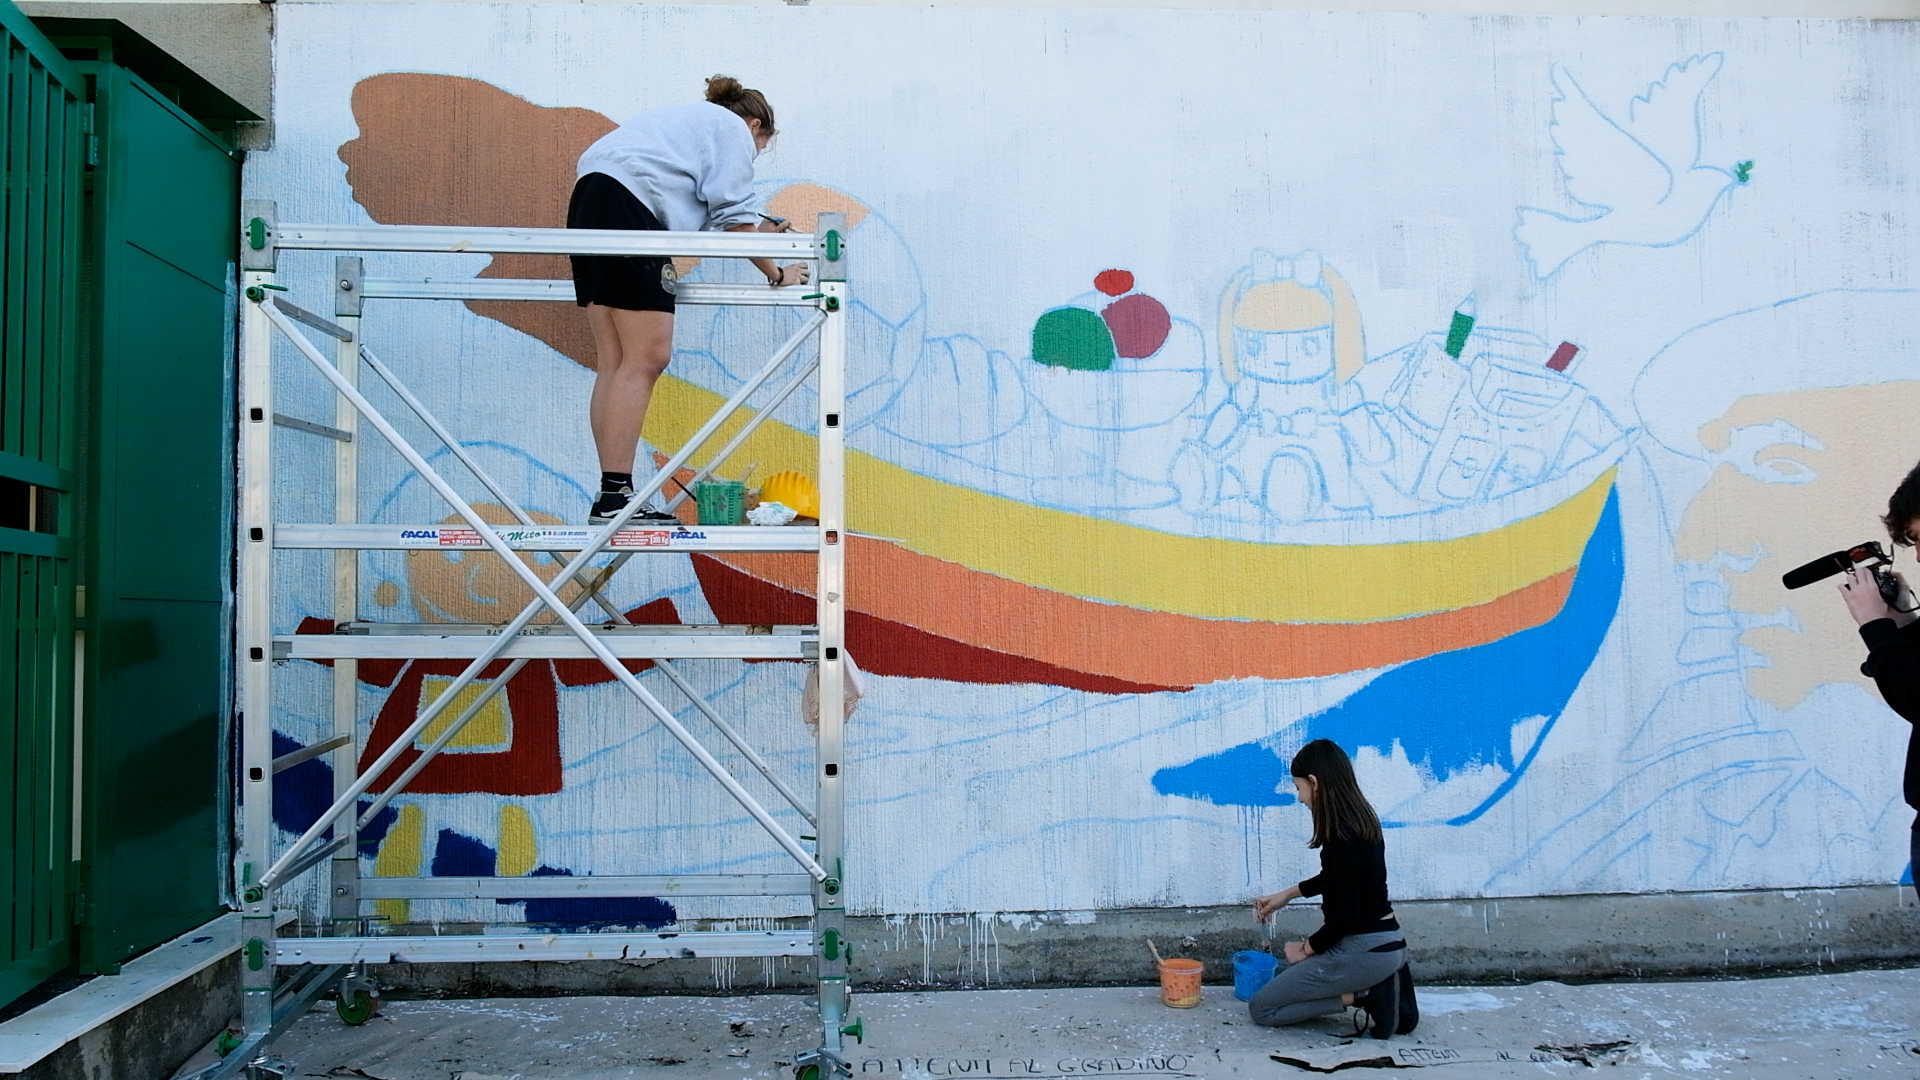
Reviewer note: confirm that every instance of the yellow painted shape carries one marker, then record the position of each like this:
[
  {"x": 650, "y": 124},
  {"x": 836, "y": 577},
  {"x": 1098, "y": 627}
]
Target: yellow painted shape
[
  {"x": 1282, "y": 306},
  {"x": 490, "y": 729},
  {"x": 400, "y": 855},
  {"x": 1837, "y": 482},
  {"x": 519, "y": 852},
  {"x": 1144, "y": 568}
]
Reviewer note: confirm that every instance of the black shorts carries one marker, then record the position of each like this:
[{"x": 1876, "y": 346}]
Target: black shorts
[{"x": 632, "y": 282}]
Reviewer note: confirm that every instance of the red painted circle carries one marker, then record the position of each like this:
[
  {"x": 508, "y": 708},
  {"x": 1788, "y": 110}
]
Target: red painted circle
[
  {"x": 1139, "y": 323},
  {"x": 1113, "y": 282}
]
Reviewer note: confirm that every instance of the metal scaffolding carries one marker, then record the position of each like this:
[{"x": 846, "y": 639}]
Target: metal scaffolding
[{"x": 283, "y": 975}]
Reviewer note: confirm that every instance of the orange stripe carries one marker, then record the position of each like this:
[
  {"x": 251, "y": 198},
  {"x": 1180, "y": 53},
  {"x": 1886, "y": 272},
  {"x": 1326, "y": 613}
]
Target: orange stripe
[{"x": 976, "y": 608}]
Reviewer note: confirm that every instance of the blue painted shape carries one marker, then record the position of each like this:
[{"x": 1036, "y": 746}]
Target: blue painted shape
[
  {"x": 1449, "y": 710},
  {"x": 1247, "y": 775},
  {"x": 1907, "y": 877},
  {"x": 459, "y": 855},
  {"x": 593, "y": 911},
  {"x": 376, "y": 830},
  {"x": 301, "y": 794}
]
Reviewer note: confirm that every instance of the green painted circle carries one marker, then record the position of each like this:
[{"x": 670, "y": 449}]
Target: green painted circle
[
  {"x": 807, "y": 1072},
  {"x": 1073, "y": 338}
]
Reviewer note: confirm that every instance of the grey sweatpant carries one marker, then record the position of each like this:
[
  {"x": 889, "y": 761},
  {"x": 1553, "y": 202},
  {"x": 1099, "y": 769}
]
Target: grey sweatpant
[{"x": 1313, "y": 986}]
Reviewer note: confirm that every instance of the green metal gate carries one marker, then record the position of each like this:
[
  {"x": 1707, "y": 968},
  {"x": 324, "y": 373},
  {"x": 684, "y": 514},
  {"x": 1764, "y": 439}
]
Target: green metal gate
[
  {"x": 42, "y": 117},
  {"x": 159, "y": 552}
]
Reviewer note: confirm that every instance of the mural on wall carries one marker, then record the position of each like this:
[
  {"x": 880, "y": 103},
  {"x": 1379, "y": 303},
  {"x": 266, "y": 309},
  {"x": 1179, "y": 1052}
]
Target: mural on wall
[
  {"x": 1135, "y": 514},
  {"x": 1642, "y": 180}
]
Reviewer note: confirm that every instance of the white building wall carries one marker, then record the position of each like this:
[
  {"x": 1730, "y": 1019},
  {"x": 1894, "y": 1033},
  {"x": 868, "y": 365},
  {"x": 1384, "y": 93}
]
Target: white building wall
[{"x": 1534, "y": 590}]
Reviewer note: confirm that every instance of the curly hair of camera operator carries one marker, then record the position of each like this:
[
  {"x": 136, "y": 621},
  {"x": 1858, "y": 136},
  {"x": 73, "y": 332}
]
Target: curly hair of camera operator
[{"x": 1903, "y": 509}]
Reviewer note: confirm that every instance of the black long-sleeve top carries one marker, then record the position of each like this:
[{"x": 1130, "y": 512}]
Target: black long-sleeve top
[
  {"x": 1353, "y": 880},
  {"x": 1893, "y": 663}
]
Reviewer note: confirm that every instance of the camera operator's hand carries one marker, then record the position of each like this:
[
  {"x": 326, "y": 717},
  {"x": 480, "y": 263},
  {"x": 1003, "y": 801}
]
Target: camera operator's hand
[
  {"x": 1902, "y": 618},
  {"x": 1863, "y": 598}
]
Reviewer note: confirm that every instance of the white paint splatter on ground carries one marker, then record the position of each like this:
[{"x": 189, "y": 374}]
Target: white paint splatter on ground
[{"x": 1438, "y": 1004}]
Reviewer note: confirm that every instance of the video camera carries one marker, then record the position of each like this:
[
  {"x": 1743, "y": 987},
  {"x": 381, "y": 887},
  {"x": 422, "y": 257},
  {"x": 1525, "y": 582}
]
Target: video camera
[{"x": 1870, "y": 554}]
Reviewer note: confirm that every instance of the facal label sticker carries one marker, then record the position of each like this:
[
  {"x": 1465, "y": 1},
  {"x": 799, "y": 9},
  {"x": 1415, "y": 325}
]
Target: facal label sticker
[
  {"x": 642, "y": 538},
  {"x": 544, "y": 537},
  {"x": 460, "y": 538}
]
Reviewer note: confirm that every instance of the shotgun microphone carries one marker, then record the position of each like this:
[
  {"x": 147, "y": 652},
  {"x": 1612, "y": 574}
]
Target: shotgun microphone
[{"x": 1837, "y": 563}]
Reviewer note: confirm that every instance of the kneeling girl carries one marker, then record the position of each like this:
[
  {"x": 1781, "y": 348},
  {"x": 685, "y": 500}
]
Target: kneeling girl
[{"x": 1359, "y": 956}]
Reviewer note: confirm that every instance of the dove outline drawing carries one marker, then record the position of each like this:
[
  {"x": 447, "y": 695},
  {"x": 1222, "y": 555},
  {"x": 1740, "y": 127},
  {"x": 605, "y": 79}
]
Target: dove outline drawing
[{"x": 1644, "y": 178}]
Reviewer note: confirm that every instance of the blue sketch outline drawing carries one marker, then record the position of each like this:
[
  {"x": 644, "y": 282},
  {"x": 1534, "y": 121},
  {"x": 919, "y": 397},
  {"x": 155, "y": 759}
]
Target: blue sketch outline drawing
[{"x": 1643, "y": 179}]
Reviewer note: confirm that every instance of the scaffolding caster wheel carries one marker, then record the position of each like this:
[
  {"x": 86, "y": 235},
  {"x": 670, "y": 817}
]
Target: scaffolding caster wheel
[{"x": 356, "y": 1007}]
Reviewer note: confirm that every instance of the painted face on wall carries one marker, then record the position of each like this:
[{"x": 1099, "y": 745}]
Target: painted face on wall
[
  {"x": 475, "y": 586},
  {"x": 1284, "y": 356},
  {"x": 1798, "y": 474},
  {"x": 1283, "y": 333}
]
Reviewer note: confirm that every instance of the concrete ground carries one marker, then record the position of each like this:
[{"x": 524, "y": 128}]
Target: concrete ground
[{"x": 1858, "y": 1024}]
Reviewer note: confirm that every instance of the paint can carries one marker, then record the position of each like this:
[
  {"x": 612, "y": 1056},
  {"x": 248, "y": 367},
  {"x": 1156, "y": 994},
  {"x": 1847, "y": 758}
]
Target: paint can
[
  {"x": 1180, "y": 982},
  {"x": 1251, "y": 971},
  {"x": 721, "y": 502}
]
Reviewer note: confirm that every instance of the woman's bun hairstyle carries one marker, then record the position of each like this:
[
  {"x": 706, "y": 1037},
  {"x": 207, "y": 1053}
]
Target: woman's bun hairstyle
[{"x": 726, "y": 92}]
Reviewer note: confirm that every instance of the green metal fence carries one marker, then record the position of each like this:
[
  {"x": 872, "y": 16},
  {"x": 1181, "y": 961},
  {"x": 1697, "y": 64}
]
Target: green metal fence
[{"x": 42, "y": 147}]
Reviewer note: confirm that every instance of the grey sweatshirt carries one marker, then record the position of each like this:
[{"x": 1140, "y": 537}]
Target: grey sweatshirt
[{"x": 692, "y": 165}]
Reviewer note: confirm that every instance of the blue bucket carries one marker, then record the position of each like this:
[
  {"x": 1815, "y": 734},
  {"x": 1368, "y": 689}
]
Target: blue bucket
[{"x": 1251, "y": 970}]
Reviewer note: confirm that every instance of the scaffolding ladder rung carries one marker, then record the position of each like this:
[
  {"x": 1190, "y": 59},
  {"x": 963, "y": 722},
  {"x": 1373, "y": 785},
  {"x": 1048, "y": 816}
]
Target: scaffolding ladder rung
[
  {"x": 311, "y": 428},
  {"x": 308, "y": 753},
  {"x": 626, "y": 643},
  {"x": 464, "y": 239},
  {"x": 483, "y": 948},
  {"x": 688, "y": 292},
  {"x": 547, "y": 538},
  {"x": 429, "y": 629},
  {"x": 560, "y": 886}
]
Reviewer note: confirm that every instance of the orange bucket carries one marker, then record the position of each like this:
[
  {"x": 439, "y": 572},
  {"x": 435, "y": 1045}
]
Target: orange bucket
[{"x": 1180, "y": 982}]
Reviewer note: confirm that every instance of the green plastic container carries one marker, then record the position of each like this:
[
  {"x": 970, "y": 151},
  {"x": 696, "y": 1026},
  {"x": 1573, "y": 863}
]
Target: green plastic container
[{"x": 721, "y": 502}]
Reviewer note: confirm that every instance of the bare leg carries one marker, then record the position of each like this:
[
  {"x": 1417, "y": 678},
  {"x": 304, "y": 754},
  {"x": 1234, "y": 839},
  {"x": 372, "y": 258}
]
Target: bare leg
[{"x": 631, "y": 349}]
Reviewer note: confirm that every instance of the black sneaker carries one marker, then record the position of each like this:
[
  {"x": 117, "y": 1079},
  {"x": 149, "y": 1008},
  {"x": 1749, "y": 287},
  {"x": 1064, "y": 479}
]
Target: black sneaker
[
  {"x": 1382, "y": 1005},
  {"x": 1409, "y": 1006},
  {"x": 610, "y": 503}
]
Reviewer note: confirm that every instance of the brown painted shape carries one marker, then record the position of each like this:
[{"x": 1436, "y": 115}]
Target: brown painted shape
[
  {"x": 444, "y": 150},
  {"x": 447, "y": 150},
  {"x": 889, "y": 648},
  {"x": 802, "y": 204}
]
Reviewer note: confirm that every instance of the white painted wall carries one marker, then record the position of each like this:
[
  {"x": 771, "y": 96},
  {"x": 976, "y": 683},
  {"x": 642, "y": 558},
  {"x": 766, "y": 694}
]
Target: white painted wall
[
  {"x": 1822, "y": 9},
  {"x": 1718, "y": 212}
]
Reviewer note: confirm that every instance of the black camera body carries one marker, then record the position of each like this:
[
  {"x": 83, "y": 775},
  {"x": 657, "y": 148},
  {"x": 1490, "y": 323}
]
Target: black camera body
[{"x": 1870, "y": 554}]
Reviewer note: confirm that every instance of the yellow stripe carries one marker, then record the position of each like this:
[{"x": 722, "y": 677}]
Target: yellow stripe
[
  {"x": 519, "y": 851},
  {"x": 1144, "y": 568},
  {"x": 402, "y": 853}
]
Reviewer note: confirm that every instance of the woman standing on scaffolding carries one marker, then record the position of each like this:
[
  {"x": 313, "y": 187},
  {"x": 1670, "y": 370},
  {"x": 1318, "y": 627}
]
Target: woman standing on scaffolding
[{"x": 683, "y": 168}]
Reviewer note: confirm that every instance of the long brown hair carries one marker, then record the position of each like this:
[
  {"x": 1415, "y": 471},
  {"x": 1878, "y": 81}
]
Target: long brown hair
[
  {"x": 1340, "y": 810},
  {"x": 726, "y": 92}
]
